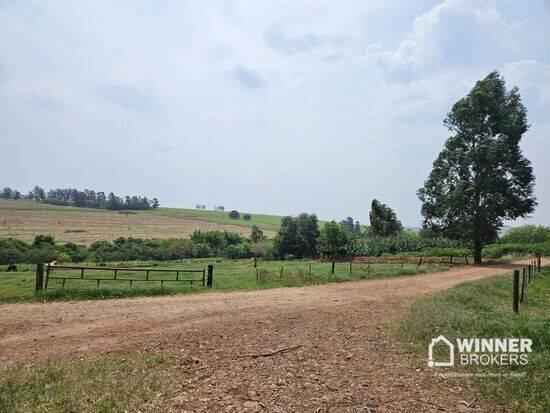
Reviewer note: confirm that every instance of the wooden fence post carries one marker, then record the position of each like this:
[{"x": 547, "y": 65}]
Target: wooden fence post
[
  {"x": 538, "y": 261},
  {"x": 530, "y": 269},
  {"x": 332, "y": 270},
  {"x": 350, "y": 264},
  {"x": 309, "y": 269},
  {"x": 210, "y": 276},
  {"x": 523, "y": 287},
  {"x": 516, "y": 291},
  {"x": 39, "y": 277},
  {"x": 255, "y": 262}
]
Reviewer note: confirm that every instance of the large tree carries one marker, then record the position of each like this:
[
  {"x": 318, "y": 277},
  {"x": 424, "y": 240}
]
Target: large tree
[
  {"x": 481, "y": 177},
  {"x": 383, "y": 221}
]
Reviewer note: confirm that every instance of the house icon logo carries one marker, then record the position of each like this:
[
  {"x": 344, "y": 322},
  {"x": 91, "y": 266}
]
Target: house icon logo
[{"x": 450, "y": 362}]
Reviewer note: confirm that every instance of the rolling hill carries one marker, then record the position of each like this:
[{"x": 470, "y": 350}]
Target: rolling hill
[{"x": 24, "y": 219}]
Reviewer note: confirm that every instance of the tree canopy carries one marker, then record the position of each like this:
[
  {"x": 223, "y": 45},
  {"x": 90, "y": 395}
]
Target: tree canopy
[
  {"x": 481, "y": 177},
  {"x": 383, "y": 221}
]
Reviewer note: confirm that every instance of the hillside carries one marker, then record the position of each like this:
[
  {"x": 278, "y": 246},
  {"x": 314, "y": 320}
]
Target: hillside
[{"x": 24, "y": 219}]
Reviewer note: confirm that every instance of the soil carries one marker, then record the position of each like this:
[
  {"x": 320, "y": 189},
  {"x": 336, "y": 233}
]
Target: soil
[{"x": 334, "y": 352}]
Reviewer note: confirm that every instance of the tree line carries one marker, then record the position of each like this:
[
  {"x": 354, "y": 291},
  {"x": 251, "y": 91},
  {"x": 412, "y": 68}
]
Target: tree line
[{"x": 85, "y": 199}]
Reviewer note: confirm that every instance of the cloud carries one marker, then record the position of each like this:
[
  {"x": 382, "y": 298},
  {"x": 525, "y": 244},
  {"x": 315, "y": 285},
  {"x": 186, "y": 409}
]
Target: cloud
[
  {"x": 248, "y": 77},
  {"x": 454, "y": 35},
  {"x": 128, "y": 97},
  {"x": 277, "y": 40}
]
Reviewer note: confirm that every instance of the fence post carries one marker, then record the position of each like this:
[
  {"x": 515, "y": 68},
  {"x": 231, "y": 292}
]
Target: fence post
[
  {"x": 309, "y": 269},
  {"x": 538, "y": 261},
  {"x": 516, "y": 291},
  {"x": 255, "y": 262},
  {"x": 531, "y": 273},
  {"x": 522, "y": 287},
  {"x": 332, "y": 270},
  {"x": 210, "y": 275},
  {"x": 350, "y": 264},
  {"x": 39, "y": 277}
]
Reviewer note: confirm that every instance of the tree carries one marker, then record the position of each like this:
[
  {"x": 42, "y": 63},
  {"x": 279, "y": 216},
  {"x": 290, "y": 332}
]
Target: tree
[
  {"x": 298, "y": 236},
  {"x": 247, "y": 217},
  {"x": 7, "y": 193},
  {"x": 155, "y": 203},
  {"x": 38, "y": 193},
  {"x": 481, "y": 177},
  {"x": 333, "y": 237},
  {"x": 383, "y": 221},
  {"x": 234, "y": 214},
  {"x": 256, "y": 235}
]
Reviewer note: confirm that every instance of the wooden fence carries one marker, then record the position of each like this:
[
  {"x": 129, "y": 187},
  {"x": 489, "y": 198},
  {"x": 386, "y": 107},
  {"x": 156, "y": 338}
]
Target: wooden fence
[{"x": 47, "y": 272}]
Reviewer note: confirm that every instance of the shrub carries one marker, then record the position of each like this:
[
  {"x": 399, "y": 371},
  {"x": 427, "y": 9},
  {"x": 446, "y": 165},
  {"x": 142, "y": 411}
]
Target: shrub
[
  {"x": 234, "y": 214},
  {"x": 247, "y": 217}
]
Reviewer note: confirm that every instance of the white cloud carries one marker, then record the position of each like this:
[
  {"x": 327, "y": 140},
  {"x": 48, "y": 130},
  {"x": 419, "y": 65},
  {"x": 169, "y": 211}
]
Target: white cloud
[{"x": 453, "y": 35}]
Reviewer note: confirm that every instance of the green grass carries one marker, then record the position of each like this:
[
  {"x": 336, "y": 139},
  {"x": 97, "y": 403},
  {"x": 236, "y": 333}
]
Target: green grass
[
  {"x": 229, "y": 275},
  {"x": 484, "y": 309},
  {"x": 119, "y": 384},
  {"x": 263, "y": 221}
]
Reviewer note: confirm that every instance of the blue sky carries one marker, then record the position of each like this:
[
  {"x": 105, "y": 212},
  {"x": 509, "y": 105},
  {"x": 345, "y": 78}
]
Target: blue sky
[{"x": 276, "y": 107}]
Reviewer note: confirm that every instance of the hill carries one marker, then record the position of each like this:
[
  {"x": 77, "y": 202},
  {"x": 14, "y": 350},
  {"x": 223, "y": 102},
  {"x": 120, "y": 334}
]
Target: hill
[{"x": 24, "y": 219}]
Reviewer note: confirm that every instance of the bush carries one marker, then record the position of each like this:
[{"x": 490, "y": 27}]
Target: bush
[
  {"x": 247, "y": 217},
  {"x": 234, "y": 214}
]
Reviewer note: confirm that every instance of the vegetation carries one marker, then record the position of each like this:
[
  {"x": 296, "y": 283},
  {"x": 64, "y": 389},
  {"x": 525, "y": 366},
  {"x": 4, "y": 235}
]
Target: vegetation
[
  {"x": 527, "y": 234},
  {"x": 229, "y": 275},
  {"x": 63, "y": 386},
  {"x": 201, "y": 244},
  {"x": 483, "y": 309},
  {"x": 234, "y": 214},
  {"x": 334, "y": 237},
  {"x": 82, "y": 199},
  {"x": 297, "y": 236},
  {"x": 383, "y": 221},
  {"x": 481, "y": 177}
]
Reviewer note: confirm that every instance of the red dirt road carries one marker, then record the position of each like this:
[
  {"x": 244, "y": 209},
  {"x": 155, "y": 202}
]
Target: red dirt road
[{"x": 346, "y": 362}]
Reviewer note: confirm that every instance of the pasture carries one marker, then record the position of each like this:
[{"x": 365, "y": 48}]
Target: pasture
[
  {"x": 229, "y": 275},
  {"x": 24, "y": 219}
]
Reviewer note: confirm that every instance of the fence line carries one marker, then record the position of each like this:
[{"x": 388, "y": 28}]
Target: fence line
[{"x": 528, "y": 274}]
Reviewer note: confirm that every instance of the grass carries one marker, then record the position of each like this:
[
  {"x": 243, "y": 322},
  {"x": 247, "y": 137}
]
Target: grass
[
  {"x": 229, "y": 275},
  {"x": 263, "y": 221},
  {"x": 484, "y": 309},
  {"x": 119, "y": 384}
]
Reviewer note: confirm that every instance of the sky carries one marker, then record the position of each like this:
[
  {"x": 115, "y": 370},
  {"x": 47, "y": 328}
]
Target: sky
[{"x": 262, "y": 106}]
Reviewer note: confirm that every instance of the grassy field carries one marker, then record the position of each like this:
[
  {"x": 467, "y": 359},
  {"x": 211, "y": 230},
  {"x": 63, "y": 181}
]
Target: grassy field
[
  {"x": 483, "y": 309},
  {"x": 229, "y": 275},
  {"x": 24, "y": 219},
  {"x": 120, "y": 384}
]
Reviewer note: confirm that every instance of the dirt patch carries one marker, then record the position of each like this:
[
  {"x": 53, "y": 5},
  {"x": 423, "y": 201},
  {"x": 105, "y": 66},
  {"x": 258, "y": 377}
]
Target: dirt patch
[
  {"x": 346, "y": 361},
  {"x": 86, "y": 227}
]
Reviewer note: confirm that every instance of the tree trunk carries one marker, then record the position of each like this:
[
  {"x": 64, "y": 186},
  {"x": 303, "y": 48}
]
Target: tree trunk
[{"x": 478, "y": 245}]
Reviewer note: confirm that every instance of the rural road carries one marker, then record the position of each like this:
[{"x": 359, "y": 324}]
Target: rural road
[{"x": 346, "y": 361}]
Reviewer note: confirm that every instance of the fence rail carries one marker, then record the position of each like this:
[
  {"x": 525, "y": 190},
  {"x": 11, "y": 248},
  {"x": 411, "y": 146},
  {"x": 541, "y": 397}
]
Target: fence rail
[{"x": 51, "y": 273}]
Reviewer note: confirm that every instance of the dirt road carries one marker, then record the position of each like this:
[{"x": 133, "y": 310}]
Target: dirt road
[{"x": 346, "y": 360}]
